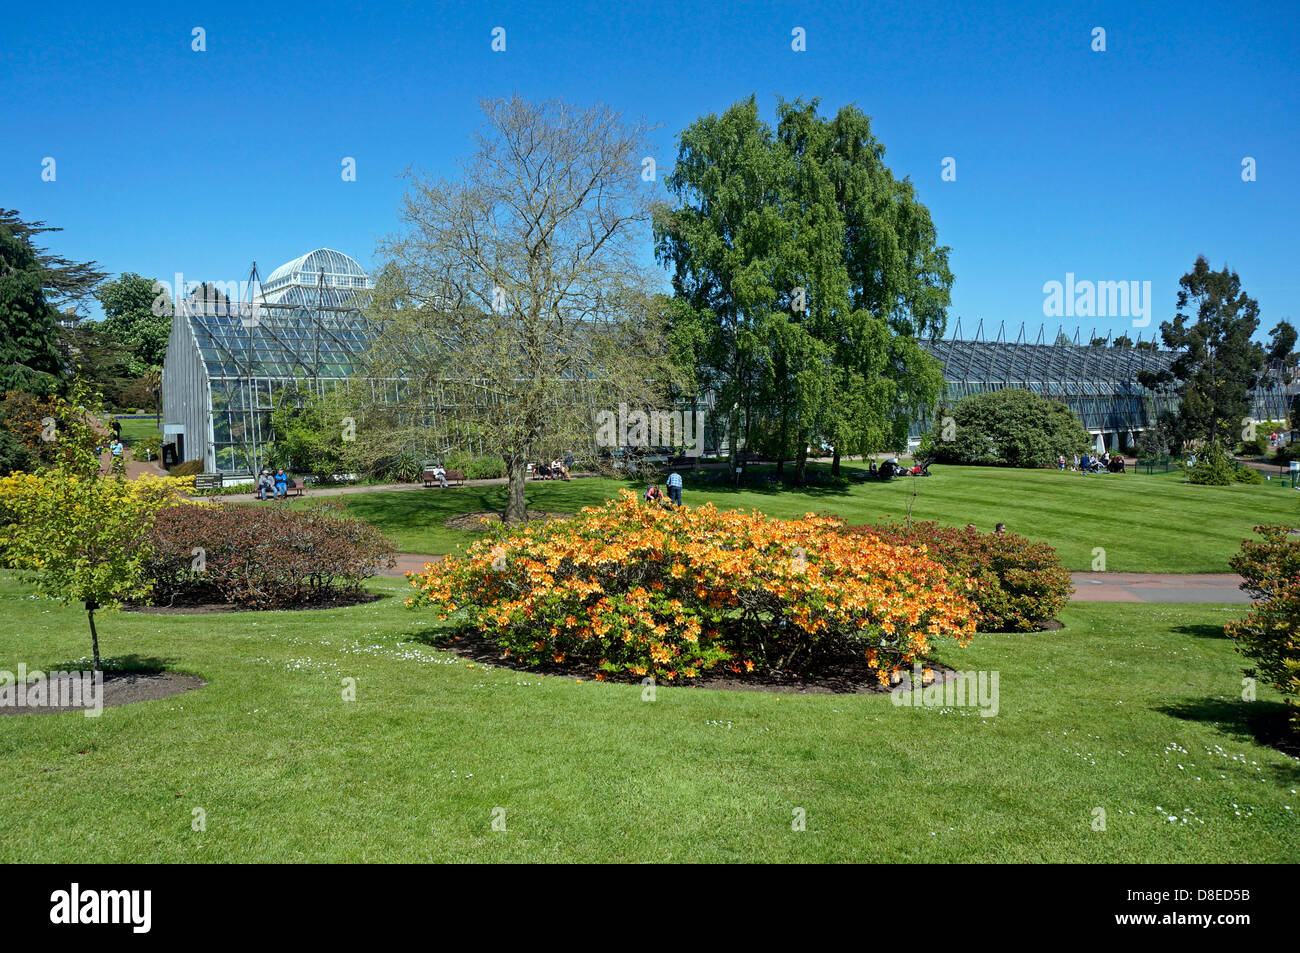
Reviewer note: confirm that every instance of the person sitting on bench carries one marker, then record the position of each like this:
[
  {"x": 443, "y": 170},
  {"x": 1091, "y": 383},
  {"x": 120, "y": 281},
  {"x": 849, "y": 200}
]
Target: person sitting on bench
[
  {"x": 281, "y": 484},
  {"x": 440, "y": 474},
  {"x": 265, "y": 485}
]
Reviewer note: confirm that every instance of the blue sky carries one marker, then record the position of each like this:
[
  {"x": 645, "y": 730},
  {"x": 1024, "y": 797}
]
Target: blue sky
[{"x": 1116, "y": 165}]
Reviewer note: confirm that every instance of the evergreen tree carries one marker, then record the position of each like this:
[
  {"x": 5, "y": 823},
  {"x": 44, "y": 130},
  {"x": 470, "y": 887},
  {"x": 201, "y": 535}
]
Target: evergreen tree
[{"x": 1218, "y": 364}]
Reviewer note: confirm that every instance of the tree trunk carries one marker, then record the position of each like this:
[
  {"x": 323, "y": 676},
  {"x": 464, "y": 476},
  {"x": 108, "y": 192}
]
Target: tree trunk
[
  {"x": 835, "y": 462},
  {"x": 516, "y": 505},
  {"x": 733, "y": 440},
  {"x": 94, "y": 636},
  {"x": 749, "y": 419},
  {"x": 801, "y": 462}
]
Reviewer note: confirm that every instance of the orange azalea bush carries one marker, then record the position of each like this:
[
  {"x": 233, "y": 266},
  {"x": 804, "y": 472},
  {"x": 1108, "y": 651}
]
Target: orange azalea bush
[
  {"x": 1019, "y": 585},
  {"x": 639, "y": 590}
]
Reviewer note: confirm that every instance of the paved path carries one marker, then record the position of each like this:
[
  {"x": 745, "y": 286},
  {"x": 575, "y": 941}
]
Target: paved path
[
  {"x": 384, "y": 487},
  {"x": 134, "y": 468},
  {"x": 1157, "y": 587},
  {"x": 1088, "y": 586},
  {"x": 409, "y": 562}
]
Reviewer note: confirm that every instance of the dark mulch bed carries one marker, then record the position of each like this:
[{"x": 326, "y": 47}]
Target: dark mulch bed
[
  {"x": 474, "y": 521},
  {"x": 336, "y": 601},
  {"x": 848, "y": 676},
  {"x": 120, "y": 688}
]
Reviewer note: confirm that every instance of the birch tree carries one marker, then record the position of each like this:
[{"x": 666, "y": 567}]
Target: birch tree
[{"x": 517, "y": 303}]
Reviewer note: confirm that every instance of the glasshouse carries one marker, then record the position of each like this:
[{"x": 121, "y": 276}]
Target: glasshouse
[
  {"x": 229, "y": 363},
  {"x": 1098, "y": 381}
]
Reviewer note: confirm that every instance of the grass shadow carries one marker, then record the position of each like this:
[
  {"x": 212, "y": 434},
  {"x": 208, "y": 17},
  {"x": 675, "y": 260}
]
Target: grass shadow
[
  {"x": 1201, "y": 630},
  {"x": 1265, "y": 723},
  {"x": 139, "y": 664}
]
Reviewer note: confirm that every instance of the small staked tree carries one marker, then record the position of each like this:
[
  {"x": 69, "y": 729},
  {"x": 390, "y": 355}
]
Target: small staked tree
[
  {"x": 73, "y": 531},
  {"x": 515, "y": 304}
]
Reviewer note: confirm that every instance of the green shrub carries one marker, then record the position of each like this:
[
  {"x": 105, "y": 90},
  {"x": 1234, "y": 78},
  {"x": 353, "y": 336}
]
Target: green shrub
[
  {"x": 1267, "y": 636},
  {"x": 1249, "y": 475},
  {"x": 188, "y": 468},
  {"x": 1213, "y": 467},
  {"x": 476, "y": 468},
  {"x": 14, "y": 456},
  {"x": 147, "y": 448},
  {"x": 404, "y": 466},
  {"x": 1010, "y": 427},
  {"x": 1020, "y": 585}
]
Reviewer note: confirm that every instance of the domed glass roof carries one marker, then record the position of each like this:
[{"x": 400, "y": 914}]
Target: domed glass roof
[
  {"x": 290, "y": 283},
  {"x": 305, "y": 269}
]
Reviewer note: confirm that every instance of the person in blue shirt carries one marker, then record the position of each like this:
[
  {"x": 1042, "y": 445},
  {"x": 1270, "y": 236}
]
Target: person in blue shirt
[
  {"x": 281, "y": 483},
  {"x": 675, "y": 488}
]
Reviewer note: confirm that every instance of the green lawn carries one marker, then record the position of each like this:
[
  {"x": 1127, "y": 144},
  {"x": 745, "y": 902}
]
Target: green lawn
[
  {"x": 134, "y": 430},
  {"x": 1144, "y": 523},
  {"x": 1133, "y": 708}
]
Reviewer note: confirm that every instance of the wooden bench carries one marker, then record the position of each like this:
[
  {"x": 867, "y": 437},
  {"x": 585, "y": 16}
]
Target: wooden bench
[
  {"x": 297, "y": 489},
  {"x": 453, "y": 478}
]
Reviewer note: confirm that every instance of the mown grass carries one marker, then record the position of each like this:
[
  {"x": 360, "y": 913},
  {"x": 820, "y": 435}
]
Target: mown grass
[
  {"x": 1144, "y": 523},
  {"x": 1134, "y": 709},
  {"x": 136, "y": 430}
]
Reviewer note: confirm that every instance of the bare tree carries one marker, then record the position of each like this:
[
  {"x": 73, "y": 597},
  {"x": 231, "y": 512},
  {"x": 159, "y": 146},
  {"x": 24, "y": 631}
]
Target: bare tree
[{"x": 516, "y": 303}]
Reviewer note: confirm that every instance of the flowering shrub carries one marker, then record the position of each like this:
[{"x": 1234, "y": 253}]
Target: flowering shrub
[
  {"x": 80, "y": 537},
  {"x": 1019, "y": 585},
  {"x": 1268, "y": 635},
  {"x": 639, "y": 590},
  {"x": 258, "y": 556},
  {"x": 75, "y": 534}
]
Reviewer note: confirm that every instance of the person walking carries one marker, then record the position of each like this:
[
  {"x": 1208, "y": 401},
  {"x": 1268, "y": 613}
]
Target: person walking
[
  {"x": 675, "y": 488},
  {"x": 116, "y": 449}
]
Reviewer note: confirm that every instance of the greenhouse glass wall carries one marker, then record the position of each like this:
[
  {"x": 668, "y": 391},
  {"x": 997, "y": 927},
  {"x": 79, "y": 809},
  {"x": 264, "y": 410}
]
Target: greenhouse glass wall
[
  {"x": 1098, "y": 382},
  {"x": 230, "y": 363}
]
